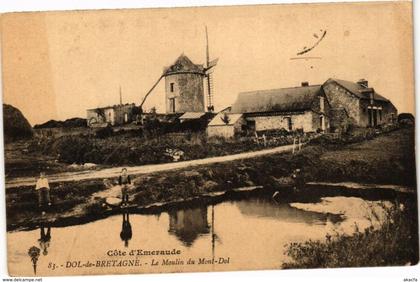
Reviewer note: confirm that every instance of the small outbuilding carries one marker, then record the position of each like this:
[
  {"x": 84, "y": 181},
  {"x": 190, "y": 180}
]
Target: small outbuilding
[
  {"x": 112, "y": 115},
  {"x": 225, "y": 124}
]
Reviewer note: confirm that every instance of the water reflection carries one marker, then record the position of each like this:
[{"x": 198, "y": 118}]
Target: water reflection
[
  {"x": 252, "y": 232},
  {"x": 188, "y": 224},
  {"x": 126, "y": 233},
  {"x": 265, "y": 207},
  {"x": 45, "y": 238},
  {"x": 44, "y": 243},
  {"x": 34, "y": 253}
]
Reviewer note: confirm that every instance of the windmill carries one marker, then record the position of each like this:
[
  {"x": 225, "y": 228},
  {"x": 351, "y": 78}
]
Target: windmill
[
  {"x": 204, "y": 73},
  {"x": 208, "y": 71}
]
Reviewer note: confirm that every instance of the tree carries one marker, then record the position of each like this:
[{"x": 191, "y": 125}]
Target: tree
[{"x": 225, "y": 118}]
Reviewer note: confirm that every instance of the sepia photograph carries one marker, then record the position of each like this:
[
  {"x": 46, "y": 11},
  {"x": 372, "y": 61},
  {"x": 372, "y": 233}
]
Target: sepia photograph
[{"x": 201, "y": 139}]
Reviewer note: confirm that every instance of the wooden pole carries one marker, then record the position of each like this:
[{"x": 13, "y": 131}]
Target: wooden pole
[
  {"x": 294, "y": 144},
  {"x": 150, "y": 91}
]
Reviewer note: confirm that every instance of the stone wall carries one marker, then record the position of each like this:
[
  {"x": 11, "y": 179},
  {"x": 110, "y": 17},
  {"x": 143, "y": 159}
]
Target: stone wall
[
  {"x": 299, "y": 121},
  {"x": 188, "y": 92},
  {"x": 226, "y": 131},
  {"x": 316, "y": 121},
  {"x": 124, "y": 114},
  {"x": 339, "y": 96},
  {"x": 339, "y": 120},
  {"x": 319, "y": 111},
  {"x": 93, "y": 116}
]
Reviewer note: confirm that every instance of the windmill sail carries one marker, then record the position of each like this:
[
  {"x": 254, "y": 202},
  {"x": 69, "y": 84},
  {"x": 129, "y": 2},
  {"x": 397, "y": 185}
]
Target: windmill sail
[
  {"x": 212, "y": 63},
  {"x": 209, "y": 66}
]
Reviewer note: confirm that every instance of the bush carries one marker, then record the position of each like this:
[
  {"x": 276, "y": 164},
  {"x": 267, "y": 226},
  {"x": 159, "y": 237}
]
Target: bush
[
  {"x": 104, "y": 132},
  {"x": 74, "y": 149}
]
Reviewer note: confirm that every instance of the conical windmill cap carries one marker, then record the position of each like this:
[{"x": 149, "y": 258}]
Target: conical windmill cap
[{"x": 183, "y": 65}]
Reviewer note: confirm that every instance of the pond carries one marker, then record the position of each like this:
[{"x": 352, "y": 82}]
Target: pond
[{"x": 250, "y": 233}]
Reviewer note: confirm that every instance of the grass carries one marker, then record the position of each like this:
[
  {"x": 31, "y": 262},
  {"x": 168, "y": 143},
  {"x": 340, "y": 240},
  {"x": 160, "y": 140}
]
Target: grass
[
  {"x": 395, "y": 242},
  {"x": 130, "y": 149},
  {"x": 388, "y": 158}
]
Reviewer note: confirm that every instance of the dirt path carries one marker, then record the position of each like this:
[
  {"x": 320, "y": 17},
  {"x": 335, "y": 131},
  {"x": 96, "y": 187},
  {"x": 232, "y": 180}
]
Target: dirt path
[{"x": 115, "y": 171}]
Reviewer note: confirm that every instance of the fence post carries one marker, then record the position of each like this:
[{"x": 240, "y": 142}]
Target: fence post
[{"x": 294, "y": 144}]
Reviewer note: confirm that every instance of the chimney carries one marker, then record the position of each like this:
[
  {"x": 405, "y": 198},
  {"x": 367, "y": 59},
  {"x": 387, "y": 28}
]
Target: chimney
[
  {"x": 305, "y": 83},
  {"x": 363, "y": 82},
  {"x": 369, "y": 93}
]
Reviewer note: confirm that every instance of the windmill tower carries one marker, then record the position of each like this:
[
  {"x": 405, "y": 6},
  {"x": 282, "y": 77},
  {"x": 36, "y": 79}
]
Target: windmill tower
[
  {"x": 185, "y": 85},
  {"x": 209, "y": 76}
]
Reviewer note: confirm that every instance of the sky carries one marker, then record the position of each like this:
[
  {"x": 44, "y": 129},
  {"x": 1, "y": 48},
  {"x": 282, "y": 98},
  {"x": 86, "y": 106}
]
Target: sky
[{"x": 55, "y": 65}]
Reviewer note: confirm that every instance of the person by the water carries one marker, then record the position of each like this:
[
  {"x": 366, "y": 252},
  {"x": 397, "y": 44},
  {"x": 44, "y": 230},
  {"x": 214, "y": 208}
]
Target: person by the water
[
  {"x": 43, "y": 189},
  {"x": 126, "y": 232},
  {"x": 124, "y": 181}
]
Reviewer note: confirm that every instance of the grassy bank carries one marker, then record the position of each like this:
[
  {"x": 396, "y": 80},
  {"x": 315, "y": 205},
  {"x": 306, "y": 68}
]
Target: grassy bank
[
  {"x": 395, "y": 242},
  {"x": 124, "y": 149},
  {"x": 388, "y": 158}
]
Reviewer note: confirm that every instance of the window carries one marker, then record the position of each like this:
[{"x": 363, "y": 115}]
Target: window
[
  {"x": 375, "y": 117},
  {"x": 172, "y": 86},
  {"x": 172, "y": 105},
  {"x": 321, "y": 104},
  {"x": 321, "y": 123},
  {"x": 370, "y": 116},
  {"x": 251, "y": 125}
]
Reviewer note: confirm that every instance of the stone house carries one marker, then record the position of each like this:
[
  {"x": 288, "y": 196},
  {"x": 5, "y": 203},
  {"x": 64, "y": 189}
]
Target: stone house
[
  {"x": 303, "y": 108},
  {"x": 364, "y": 106},
  {"x": 112, "y": 115}
]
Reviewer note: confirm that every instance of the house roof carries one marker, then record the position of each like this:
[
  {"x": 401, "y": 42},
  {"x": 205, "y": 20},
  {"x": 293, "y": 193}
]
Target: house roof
[
  {"x": 218, "y": 119},
  {"x": 113, "y": 106},
  {"x": 183, "y": 65},
  {"x": 276, "y": 100},
  {"x": 192, "y": 115},
  {"x": 358, "y": 90}
]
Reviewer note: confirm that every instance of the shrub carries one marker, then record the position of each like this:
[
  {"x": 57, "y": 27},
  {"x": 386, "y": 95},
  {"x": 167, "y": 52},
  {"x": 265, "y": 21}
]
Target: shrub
[
  {"x": 73, "y": 149},
  {"x": 104, "y": 132}
]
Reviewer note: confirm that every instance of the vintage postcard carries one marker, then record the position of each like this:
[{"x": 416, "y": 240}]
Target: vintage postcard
[{"x": 209, "y": 138}]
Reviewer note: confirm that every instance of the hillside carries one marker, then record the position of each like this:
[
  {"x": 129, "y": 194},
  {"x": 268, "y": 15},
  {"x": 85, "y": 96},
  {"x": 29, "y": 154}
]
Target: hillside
[
  {"x": 73, "y": 122},
  {"x": 16, "y": 126}
]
